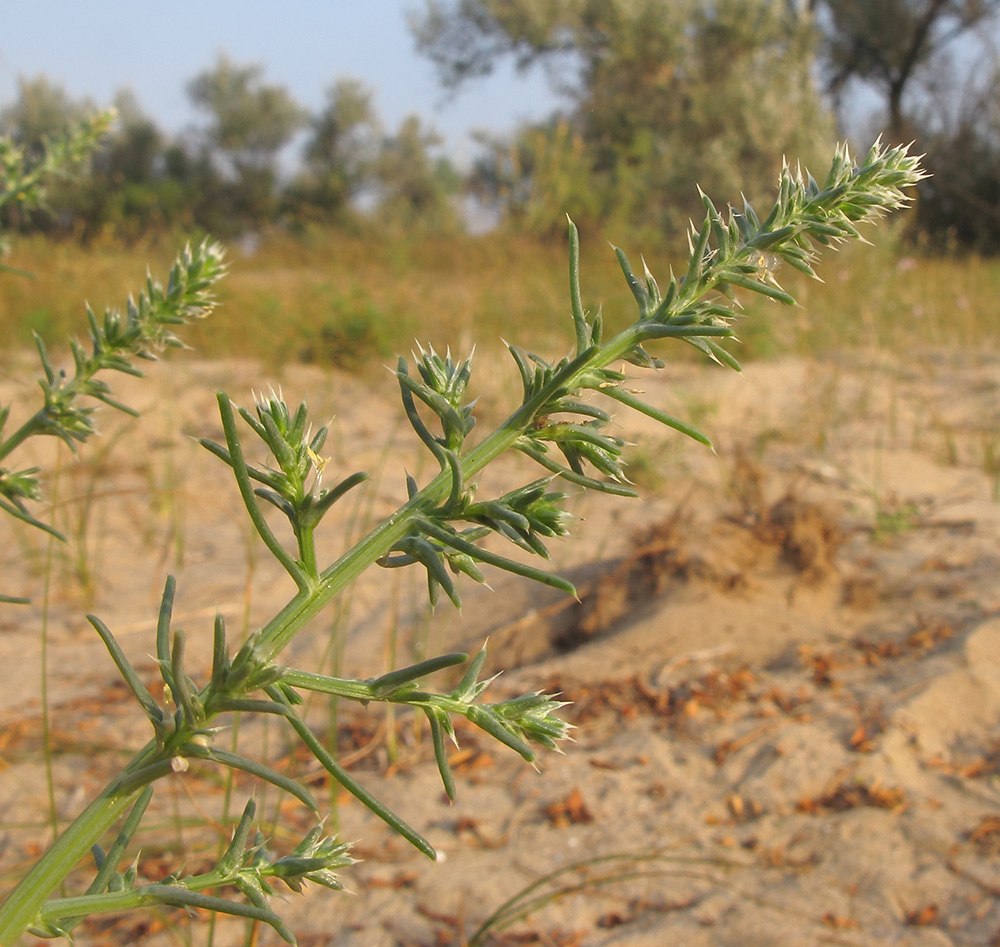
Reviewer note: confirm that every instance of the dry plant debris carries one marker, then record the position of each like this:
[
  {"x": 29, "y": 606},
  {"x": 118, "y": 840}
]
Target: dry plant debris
[
  {"x": 572, "y": 810},
  {"x": 853, "y": 795}
]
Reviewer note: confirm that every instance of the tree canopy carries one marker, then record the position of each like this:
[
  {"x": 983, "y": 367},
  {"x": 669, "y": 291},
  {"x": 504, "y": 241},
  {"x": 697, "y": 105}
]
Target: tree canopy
[
  {"x": 249, "y": 121},
  {"x": 659, "y": 93},
  {"x": 892, "y": 44}
]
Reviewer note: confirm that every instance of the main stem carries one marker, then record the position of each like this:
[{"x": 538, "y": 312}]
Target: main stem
[
  {"x": 34, "y": 425},
  {"x": 21, "y": 909}
]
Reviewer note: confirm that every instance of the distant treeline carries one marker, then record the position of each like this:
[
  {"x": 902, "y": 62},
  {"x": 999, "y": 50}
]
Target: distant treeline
[{"x": 658, "y": 92}]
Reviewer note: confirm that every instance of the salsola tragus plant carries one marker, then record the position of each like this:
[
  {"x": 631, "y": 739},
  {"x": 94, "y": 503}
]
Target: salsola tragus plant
[
  {"x": 558, "y": 425},
  {"x": 116, "y": 341}
]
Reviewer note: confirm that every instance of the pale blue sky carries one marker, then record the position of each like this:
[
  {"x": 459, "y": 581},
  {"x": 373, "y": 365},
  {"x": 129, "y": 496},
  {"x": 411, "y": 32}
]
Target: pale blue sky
[{"x": 94, "y": 47}]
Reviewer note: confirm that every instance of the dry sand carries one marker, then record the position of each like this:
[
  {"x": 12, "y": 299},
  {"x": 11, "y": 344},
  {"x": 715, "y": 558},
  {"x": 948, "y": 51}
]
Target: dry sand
[{"x": 784, "y": 668}]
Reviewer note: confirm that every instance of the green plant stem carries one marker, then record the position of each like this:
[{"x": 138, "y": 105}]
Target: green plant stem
[
  {"x": 151, "y": 894},
  {"x": 301, "y": 578},
  {"x": 22, "y": 908},
  {"x": 34, "y": 425}
]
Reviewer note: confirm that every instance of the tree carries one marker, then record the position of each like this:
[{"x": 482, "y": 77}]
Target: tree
[
  {"x": 41, "y": 110},
  {"x": 536, "y": 178},
  {"x": 960, "y": 133},
  {"x": 128, "y": 192},
  {"x": 41, "y": 114},
  {"x": 892, "y": 44},
  {"x": 133, "y": 153},
  {"x": 249, "y": 124},
  {"x": 416, "y": 189},
  {"x": 921, "y": 58},
  {"x": 660, "y": 91},
  {"x": 340, "y": 153}
]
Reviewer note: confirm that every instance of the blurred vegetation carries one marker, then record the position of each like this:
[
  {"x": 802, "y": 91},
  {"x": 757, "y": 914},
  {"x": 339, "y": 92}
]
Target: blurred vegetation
[
  {"x": 355, "y": 301},
  {"x": 660, "y": 94},
  {"x": 655, "y": 94}
]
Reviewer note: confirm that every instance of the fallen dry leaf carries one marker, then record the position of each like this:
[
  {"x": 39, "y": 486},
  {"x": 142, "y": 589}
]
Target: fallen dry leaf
[
  {"x": 923, "y": 917},
  {"x": 571, "y": 810}
]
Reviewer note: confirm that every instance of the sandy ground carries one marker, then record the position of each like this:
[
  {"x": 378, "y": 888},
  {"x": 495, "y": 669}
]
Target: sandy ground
[{"x": 784, "y": 667}]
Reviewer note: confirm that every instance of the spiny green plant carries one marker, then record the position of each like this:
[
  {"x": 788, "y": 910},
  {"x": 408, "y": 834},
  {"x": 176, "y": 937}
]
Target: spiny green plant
[
  {"x": 117, "y": 341},
  {"x": 441, "y": 527}
]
